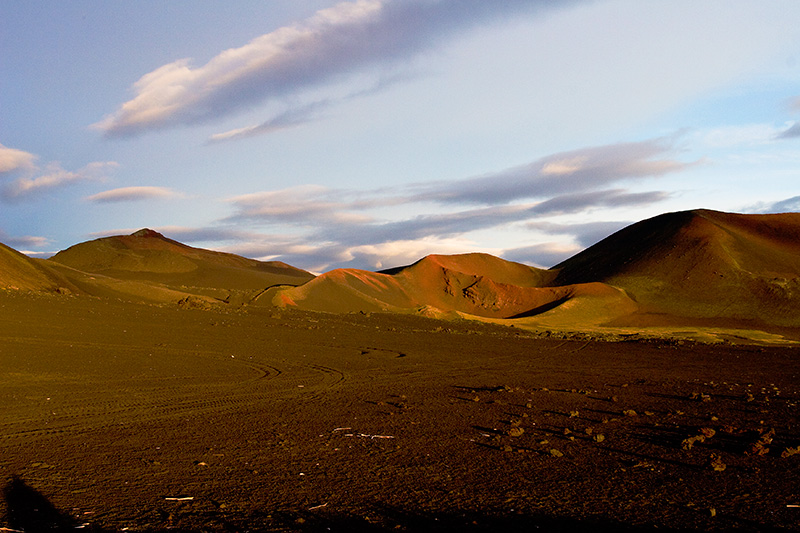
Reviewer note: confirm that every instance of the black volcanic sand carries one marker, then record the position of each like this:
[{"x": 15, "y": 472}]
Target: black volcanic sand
[{"x": 131, "y": 417}]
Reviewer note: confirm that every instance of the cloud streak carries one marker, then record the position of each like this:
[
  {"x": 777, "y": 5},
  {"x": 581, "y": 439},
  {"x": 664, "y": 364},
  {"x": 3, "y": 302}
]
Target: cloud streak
[
  {"x": 791, "y": 132},
  {"x": 133, "y": 194},
  {"x": 53, "y": 177},
  {"x": 25, "y": 241},
  {"x": 288, "y": 119},
  {"x": 563, "y": 183},
  {"x": 578, "y": 170},
  {"x": 347, "y": 38},
  {"x": 330, "y": 224}
]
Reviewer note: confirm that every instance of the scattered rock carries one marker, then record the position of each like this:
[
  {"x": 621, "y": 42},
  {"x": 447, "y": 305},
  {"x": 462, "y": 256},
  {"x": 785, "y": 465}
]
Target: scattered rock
[
  {"x": 515, "y": 432},
  {"x": 708, "y": 432},
  {"x": 761, "y": 446},
  {"x": 555, "y": 453},
  {"x": 700, "y": 397},
  {"x": 715, "y": 463},
  {"x": 688, "y": 444},
  {"x": 788, "y": 452}
]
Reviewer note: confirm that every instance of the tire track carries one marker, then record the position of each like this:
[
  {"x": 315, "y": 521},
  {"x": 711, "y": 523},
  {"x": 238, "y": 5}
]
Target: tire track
[{"x": 121, "y": 402}]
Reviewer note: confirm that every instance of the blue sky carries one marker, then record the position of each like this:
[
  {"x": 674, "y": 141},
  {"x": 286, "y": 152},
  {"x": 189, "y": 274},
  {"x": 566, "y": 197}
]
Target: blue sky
[{"x": 373, "y": 132}]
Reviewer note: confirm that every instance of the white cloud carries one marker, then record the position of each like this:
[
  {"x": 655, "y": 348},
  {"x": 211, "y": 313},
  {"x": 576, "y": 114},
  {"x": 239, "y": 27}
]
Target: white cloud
[
  {"x": 12, "y": 160},
  {"x": 133, "y": 194},
  {"x": 341, "y": 40}
]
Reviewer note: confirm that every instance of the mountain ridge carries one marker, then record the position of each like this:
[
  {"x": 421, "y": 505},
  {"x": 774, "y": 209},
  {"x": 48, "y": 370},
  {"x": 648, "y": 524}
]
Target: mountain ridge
[{"x": 686, "y": 267}]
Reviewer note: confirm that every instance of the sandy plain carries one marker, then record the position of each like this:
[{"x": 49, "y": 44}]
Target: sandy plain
[{"x": 122, "y": 416}]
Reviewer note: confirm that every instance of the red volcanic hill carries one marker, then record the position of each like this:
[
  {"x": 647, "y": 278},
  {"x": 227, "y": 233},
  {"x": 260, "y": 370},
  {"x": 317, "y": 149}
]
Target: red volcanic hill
[
  {"x": 18, "y": 271},
  {"x": 474, "y": 284},
  {"x": 701, "y": 264},
  {"x": 148, "y": 257}
]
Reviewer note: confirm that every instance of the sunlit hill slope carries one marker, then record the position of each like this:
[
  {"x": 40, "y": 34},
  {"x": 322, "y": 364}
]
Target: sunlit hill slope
[{"x": 134, "y": 263}]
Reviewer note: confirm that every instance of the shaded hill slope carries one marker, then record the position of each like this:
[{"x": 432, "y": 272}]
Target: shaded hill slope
[
  {"x": 148, "y": 257},
  {"x": 20, "y": 272},
  {"x": 701, "y": 264}
]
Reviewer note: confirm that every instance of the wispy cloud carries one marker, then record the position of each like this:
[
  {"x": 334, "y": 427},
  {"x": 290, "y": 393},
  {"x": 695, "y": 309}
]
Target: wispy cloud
[
  {"x": 53, "y": 177},
  {"x": 331, "y": 224},
  {"x": 788, "y": 205},
  {"x": 585, "y": 234},
  {"x": 607, "y": 198},
  {"x": 299, "y": 114},
  {"x": 568, "y": 172},
  {"x": 562, "y": 183},
  {"x": 25, "y": 241},
  {"x": 347, "y": 38},
  {"x": 133, "y": 194},
  {"x": 543, "y": 255},
  {"x": 305, "y": 205},
  {"x": 319, "y": 228},
  {"x": 791, "y": 132},
  {"x": 288, "y": 119},
  {"x": 12, "y": 160}
]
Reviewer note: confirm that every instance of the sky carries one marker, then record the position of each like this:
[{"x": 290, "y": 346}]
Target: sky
[{"x": 370, "y": 133}]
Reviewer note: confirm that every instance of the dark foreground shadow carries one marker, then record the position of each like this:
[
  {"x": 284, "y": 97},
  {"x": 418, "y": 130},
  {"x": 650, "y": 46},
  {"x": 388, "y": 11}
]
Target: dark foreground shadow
[{"x": 28, "y": 510}]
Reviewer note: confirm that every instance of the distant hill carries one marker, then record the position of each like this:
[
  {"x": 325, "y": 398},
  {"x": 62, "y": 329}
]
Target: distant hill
[
  {"x": 702, "y": 268},
  {"x": 701, "y": 264},
  {"x": 474, "y": 284},
  {"x": 686, "y": 269},
  {"x": 478, "y": 284},
  {"x": 146, "y": 256}
]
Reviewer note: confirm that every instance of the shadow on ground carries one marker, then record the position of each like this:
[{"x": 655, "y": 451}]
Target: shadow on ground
[{"x": 28, "y": 510}]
